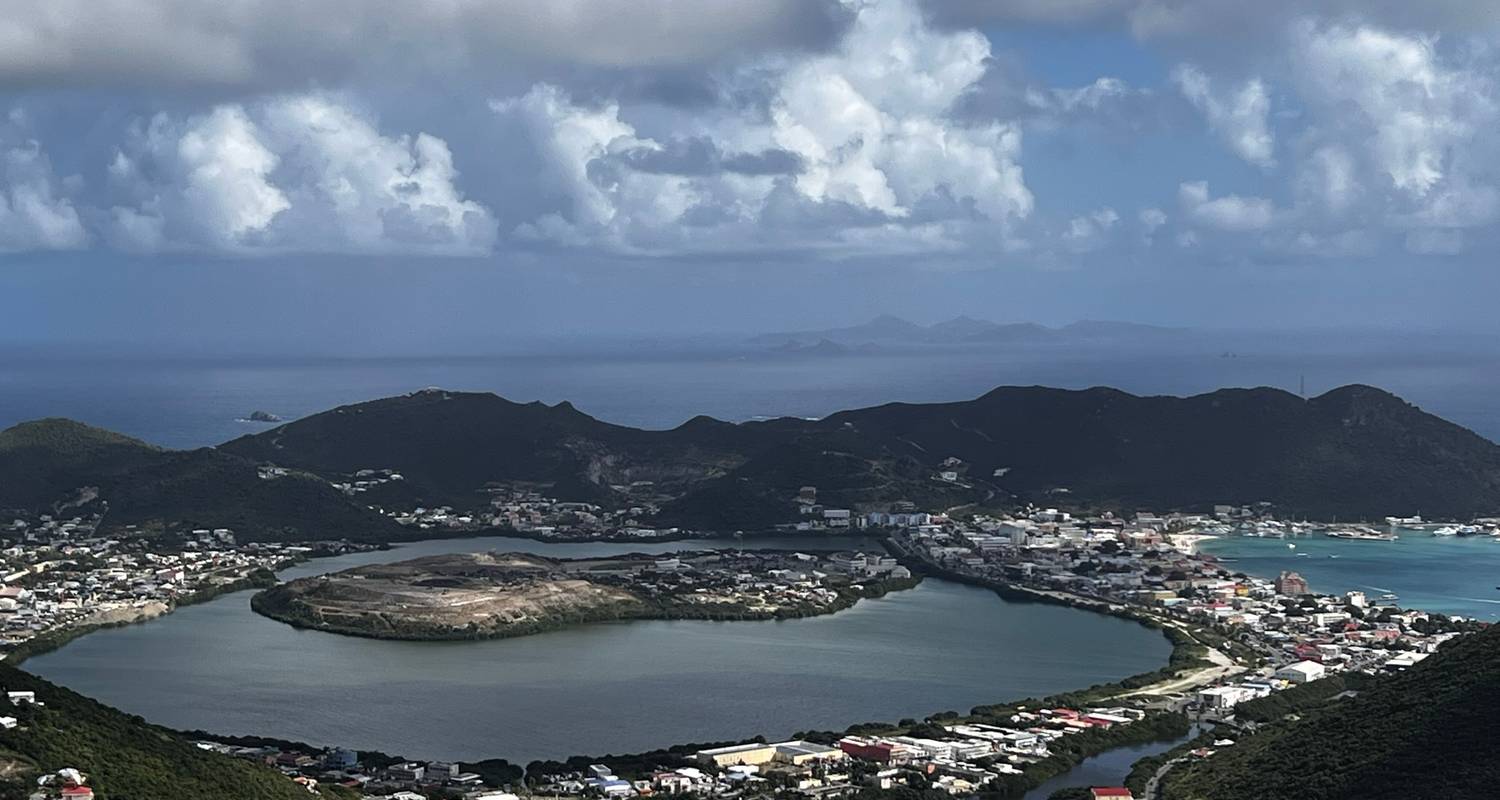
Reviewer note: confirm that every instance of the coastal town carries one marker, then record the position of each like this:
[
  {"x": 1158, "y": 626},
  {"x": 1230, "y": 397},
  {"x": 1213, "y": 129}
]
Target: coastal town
[
  {"x": 1237, "y": 638},
  {"x": 61, "y": 576}
]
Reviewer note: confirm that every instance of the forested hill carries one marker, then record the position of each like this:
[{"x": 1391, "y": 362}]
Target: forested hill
[
  {"x": 1356, "y": 451},
  {"x": 124, "y": 757},
  {"x": 69, "y": 467},
  {"x": 1353, "y": 452},
  {"x": 1424, "y": 734}
]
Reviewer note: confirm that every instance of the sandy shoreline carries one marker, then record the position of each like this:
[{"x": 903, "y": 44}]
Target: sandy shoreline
[{"x": 1188, "y": 542}]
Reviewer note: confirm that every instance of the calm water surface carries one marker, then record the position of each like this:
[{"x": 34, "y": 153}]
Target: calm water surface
[
  {"x": 1447, "y": 574},
  {"x": 599, "y": 688},
  {"x": 1106, "y": 769}
]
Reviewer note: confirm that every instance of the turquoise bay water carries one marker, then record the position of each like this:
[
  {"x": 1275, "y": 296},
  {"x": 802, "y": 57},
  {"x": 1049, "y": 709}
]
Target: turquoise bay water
[
  {"x": 1447, "y": 574},
  {"x": 623, "y": 687}
]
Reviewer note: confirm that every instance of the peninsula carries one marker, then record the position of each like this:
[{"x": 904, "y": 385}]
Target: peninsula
[{"x": 496, "y": 595}]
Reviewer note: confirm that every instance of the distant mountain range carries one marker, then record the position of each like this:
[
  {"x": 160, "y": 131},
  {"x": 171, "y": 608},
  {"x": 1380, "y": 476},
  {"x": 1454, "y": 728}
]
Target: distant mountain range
[
  {"x": 1355, "y": 452},
  {"x": 888, "y": 329}
]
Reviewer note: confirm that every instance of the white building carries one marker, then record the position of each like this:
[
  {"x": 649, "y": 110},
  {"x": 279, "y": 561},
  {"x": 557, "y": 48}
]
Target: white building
[{"x": 1301, "y": 672}]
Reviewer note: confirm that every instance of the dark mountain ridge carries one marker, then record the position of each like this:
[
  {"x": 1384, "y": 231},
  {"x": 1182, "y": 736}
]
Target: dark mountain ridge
[
  {"x": 1354, "y": 452},
  {"x": 51, "y": 463}
]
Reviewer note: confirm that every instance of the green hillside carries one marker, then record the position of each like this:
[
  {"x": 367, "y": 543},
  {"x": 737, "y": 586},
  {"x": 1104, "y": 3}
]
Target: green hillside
[
  {"x": 1423, "y": 734},
  {"x": 124, "y": 757},
  {"x": 42, "y": 457}
]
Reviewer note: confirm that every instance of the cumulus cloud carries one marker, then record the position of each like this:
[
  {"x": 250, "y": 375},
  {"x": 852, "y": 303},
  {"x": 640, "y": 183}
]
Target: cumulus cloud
[
  {"x": 1088, "y": 231},
  {"x": 293, "y": 173},
  {"x": 1229, "y": 212},
  {"x": 286, "y": 43},
  {"x": 862, "y": 138},
  {"x": 33, "y": 214},
  {"x": 1413, "y": 109},
  {"x": 1239, "y": 116}
]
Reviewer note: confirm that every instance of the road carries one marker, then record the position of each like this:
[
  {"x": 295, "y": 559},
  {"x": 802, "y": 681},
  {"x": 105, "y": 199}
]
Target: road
[
  {"x": 1153, "y": 786},
  {"x": 1223, "y": 667}
]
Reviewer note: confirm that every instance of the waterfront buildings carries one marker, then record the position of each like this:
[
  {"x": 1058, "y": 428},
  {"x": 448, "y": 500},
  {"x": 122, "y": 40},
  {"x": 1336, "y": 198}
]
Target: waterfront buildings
[{"x": 1291, "y": 584}]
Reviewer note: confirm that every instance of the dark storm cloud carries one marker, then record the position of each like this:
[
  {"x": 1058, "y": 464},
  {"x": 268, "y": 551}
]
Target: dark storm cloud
[{"x": 290, "y": 43}]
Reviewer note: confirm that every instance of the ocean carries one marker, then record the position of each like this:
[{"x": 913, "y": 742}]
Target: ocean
[{"x": 198, "y": 401}]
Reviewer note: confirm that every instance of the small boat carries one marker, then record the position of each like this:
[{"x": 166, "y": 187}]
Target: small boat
[
  {"x": 1447, "y": 530},
  {"x": 1361, "y": 534}
]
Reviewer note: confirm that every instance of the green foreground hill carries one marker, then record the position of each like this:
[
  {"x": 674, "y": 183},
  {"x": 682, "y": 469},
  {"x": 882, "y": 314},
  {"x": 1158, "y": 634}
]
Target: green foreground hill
[
  {"x": 124, "y": 757},
  {"x": 1424, "y": 734}
]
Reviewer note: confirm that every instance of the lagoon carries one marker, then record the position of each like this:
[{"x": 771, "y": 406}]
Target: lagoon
[{"x": 617, "y": 687}]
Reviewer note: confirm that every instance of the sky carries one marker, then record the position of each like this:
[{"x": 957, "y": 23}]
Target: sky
[{"x": 379, "y": 175}]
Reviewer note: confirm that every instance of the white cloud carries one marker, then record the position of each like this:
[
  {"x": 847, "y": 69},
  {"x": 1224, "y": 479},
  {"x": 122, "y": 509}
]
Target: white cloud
[
  {"x": 300, "y": 173},
  {"x": 869, "y": 125},
  {"x": 869, "y": 120},
  {"x": 1329, "y": 178},
  {"x": 32, "y": 214},
  {"x": 1230, "y": 212},
  {"x": 607, "y": 203},
  {"x": 1151, "y": 219},
  {"x": 224, "y": 171},
  {"x": 370, "y": 191},
  {"x": 1088, "y": 231},
  {"x": 1392, "y": 94},
  {"x": 1240, "y": 118}
]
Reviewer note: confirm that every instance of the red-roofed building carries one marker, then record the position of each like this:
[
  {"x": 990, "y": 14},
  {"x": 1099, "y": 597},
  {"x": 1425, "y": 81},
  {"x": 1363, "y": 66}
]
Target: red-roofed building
[
  {"x": 1112, "y": 793},
  {"x": 77, "y": 793},
  {"x": 868, "y": 749}
]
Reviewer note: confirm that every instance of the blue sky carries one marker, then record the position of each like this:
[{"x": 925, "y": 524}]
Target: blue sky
[{"x": 372, "y": 176}]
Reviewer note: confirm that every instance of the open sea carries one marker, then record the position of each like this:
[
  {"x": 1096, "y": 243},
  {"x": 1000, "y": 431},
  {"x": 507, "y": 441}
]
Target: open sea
[{"x": 193, "y": 402}]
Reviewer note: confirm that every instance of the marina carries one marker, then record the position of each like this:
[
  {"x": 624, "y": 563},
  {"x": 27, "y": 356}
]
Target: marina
[{"x": 1423, "y": 569}]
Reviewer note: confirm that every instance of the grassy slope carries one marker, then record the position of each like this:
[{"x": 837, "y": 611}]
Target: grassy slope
[
  {"x": 124, "y": 757},
  {"x": 1424, "y": 734}
]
